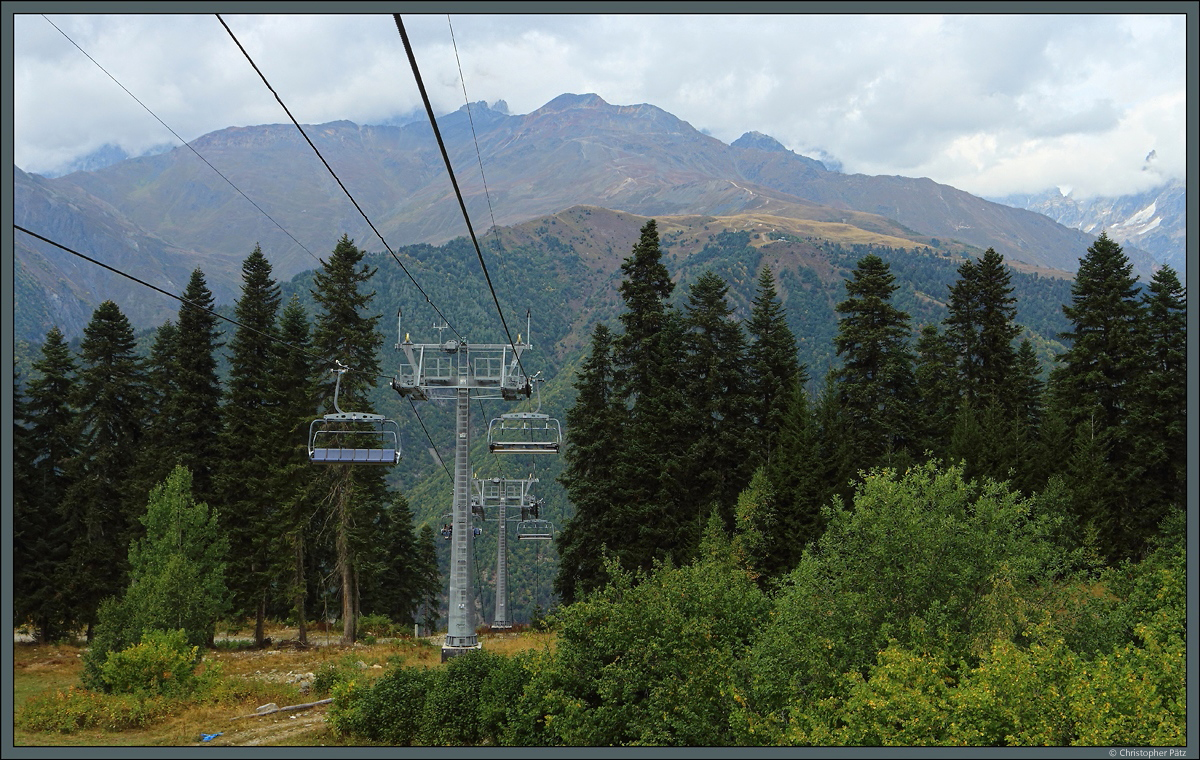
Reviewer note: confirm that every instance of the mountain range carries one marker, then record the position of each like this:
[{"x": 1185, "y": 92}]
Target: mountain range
[
  {"x": 1154, "y": 220},
  {"x": 160, "y": 216}
]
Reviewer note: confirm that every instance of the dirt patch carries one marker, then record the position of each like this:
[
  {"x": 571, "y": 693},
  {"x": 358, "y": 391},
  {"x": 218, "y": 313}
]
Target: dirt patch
[{"x": 305, "y": 728}]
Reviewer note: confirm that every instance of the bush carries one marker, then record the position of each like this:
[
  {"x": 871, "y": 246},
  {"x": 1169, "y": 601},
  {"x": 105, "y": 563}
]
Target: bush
[
  {"x": 327, "y": 677},
  {"x": 648, "y": 663},
  {"x": 375, "y": 625},
  {"x": 499, "y": 694},
  {"x": 915, "y": 560},
  {"x": 451, "y": 714},
  {"x": 75, "y": 709},
  {"x": 162, "y": 663},
  {"x": 390, "y": 711}
]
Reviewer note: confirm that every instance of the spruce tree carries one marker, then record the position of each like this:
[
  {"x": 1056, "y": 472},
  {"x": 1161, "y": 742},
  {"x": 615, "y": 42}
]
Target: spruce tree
[
  {"x": 717, "y": 417},
  {"x": 875, "y": 383},
  {"x": 250, "y": 441},
  {"x": 647, "y": 359},
  {"x": 1027, "y": 393},
  {"x": 176, "y": 576},
  {"x": 772, "y": 367},
  {"x": 594, "y": 426},
  {"x": 194, "y": 398},
  {"x": 1027, "y": 387},
  {"x": 1101, "y": 364},
  {"x": 101, "y": 503},
  {"x": 293, "y": 388},
  {"x": 797, "y": 476},
  {"x": 1158, "y": 406},
  {"x": 980, "y": 328},
  {"x": 431, "y": 583},
  {"x": 159, "y": 448},
  {"x": 345, "y": 332},
  {"x": 45, "y": 441},
  {"x": 1098, "y": 376},
  {"x": 937, "y": 393}
]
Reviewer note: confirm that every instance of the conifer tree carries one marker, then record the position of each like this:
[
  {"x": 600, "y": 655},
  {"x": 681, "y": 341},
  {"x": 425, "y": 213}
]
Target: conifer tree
[
  {"x": 1158, "y": 406},
  {"x": 1094, "y": 385},
  {"x": 594, "y": 424},
  {"x": 1100, "y": 366},
  {"x": 937, "y": 392},
  {"x": 772, "y": 367},
  {"x": 647, "y": 359},
  {"x": 194, "y": 399},
  {"x": 395, "y": 580},
  {"x": 431, "y": 583},
  {"x": 250, "y": 442},
  {"x": 45, "y": 441},
  {"x": 345, "y": 332},
  {"x": 158, "y": 449},
  {"x": 875, "y": 383},
  {"x": 717, "y": 416},
  {"x": 176, "y": 577},
  {"x": 1027, "y": 386},
  {"x": 646, "y": 288},
  {"x": 100, "y": 503},
  {"x": 293, "y": 388},
  {"x": 981, "y": 329},
  {"x": 797, "y": 475}
]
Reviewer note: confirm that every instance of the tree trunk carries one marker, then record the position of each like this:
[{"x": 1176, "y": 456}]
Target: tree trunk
[
  {"x": 298, "y": 579},
  {"x": 260, "y": 615},
  {"x": 345, "y": 565}
]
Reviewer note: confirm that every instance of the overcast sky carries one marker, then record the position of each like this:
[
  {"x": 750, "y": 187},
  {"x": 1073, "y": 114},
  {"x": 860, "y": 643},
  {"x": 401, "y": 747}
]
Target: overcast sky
[{"x": 991, "y": 104}]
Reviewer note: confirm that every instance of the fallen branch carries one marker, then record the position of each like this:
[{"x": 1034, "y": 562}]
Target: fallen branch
[{"x": 289, "y": 708}]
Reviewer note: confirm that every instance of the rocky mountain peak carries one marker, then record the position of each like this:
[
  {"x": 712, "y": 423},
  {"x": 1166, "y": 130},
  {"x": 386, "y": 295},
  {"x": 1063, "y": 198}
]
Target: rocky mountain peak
[{"x": 759, "y": 141}]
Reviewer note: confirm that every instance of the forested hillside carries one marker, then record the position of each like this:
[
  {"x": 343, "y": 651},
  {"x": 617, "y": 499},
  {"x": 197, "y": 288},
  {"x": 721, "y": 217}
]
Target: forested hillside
[{"x": 798, "y": 477}]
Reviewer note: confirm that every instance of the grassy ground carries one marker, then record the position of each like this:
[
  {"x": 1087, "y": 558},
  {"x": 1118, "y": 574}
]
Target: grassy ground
[{"x": 250, "y": 678}]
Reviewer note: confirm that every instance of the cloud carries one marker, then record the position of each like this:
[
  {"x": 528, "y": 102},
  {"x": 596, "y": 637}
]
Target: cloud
[{"x": 978, "y": 101}]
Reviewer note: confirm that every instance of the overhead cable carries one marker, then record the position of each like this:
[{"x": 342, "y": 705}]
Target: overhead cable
[
  {"x": 370, "y": 224},
  {"x": 453, "y": 181},
  {"x": 186, "y": 143},
  {"x": 179, "y": 298}
]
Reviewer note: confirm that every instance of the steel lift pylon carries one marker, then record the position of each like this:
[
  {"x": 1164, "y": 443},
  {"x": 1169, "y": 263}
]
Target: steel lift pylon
[{"x": 454, "y": 370}]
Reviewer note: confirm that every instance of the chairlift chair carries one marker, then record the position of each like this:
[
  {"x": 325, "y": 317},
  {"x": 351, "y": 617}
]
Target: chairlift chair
[
  {"x": 525, "y": 433},
  {"x": 535, "y": 530},
  {"x": 352, "y": 437}
]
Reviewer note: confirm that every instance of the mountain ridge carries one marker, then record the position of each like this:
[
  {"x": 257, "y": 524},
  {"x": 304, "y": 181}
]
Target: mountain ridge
[{"x": 576, "y": 150}]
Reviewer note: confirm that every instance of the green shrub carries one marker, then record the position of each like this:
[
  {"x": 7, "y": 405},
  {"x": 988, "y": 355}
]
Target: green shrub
[
  {"x": 162, "y": 663},
  {"x": 451, "y": 713},
  {"x": 501, "y": 691},
  {"x": 375, "y": 626},
  {"x": 390, "y": 711},
  {"x": 75, "y": 709},
  {"x": 327, "y": 676}
]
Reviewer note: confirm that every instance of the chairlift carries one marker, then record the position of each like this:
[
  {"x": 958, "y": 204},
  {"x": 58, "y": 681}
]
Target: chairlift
[
  {"x": 535, "y": 530},
  {"x": 532, "y": 527},
  {"x": 352, "y": 437},
  {"x": 525, "y": 432}
]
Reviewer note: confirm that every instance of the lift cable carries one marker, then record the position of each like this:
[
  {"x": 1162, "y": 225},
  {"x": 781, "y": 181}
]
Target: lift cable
[
  {"x": 432, "y": 445},
  {"x": 181, "y": 299},
  {"x": 370, "y": 224},
  {"x": 453, "y": 181},
  {"x": 186, "y": 143},
  {"x": 474, "y": 137}
]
